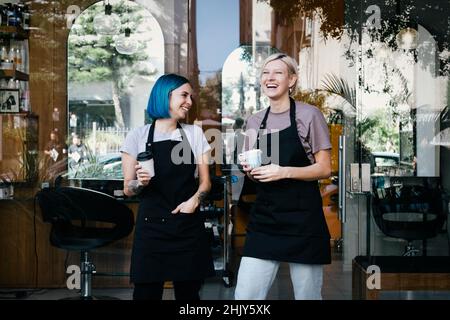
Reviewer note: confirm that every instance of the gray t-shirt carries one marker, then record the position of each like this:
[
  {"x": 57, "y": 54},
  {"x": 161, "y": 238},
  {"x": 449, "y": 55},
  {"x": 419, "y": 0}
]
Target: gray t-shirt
[
  {"x": 137, "y": 138},
  {"x": 312, "y": 127}
]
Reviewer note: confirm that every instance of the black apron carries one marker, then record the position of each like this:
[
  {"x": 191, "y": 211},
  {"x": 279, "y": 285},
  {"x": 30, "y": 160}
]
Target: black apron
[
  {"x": 287, "y": 222},
  {"x": 169, "y": 247}
]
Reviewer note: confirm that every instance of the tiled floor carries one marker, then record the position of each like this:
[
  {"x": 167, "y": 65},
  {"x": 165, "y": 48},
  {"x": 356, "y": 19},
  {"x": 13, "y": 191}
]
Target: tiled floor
[{"x": 337, "y": 286}]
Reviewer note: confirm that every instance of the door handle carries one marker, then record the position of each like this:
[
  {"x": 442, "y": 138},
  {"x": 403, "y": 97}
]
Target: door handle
[{"x": 341, "y": 177}]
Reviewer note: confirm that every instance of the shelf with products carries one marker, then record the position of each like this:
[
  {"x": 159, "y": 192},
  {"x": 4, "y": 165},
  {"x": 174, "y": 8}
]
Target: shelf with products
[
  {"x": 13, "y": 74},
  {"x": 14, "y": 20},
  {"x": 14, "y": 87},
  {"x": 14, "y": 52}
]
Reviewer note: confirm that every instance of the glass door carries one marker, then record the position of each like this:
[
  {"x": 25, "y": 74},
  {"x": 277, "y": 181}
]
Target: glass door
[
  {"x": 397, "y": 175},
  {"x": 394, "y": 150}
]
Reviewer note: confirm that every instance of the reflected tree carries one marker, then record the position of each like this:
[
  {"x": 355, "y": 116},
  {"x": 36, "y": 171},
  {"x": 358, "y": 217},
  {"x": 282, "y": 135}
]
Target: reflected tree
[
  {"x": 339, "y": 17},
  {"x": 94, "y": 58},
  {"x": 329, "y": 11}
]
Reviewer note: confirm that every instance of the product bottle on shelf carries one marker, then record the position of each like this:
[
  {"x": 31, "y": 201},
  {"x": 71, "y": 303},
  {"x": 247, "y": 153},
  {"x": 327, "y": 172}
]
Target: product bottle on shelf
[
  {"x": 18, "y": 60},
  {"x": 12, "y": 56},
  {"x": 4, "y": 54}
]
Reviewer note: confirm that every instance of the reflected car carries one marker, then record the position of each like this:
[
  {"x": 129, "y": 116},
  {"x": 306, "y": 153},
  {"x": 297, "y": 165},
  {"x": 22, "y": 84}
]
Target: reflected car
[
  {"x": 104, "y": 167},
  {"x": 389, "y": 163},
  {"x": 112, "y": 165},
  {"x": 385, "y": 159}
]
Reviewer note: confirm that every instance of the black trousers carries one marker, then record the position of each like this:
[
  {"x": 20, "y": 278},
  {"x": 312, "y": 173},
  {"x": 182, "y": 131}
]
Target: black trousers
[{"x": 184, "y": 290}]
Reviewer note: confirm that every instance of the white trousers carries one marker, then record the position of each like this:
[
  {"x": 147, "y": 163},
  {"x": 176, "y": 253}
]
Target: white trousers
[{"x": 255, "y": 277}]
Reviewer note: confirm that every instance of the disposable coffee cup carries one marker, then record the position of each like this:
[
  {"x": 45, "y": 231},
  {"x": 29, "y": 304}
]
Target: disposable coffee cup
[
  {"x": 252, "y": 157},
  {"x": 145, "y": 160}
]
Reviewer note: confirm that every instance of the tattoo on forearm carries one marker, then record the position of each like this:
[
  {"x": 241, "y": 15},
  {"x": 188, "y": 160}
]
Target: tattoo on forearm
[
  {"x": 202, "y": 195},
  {"x": 135, "y": 187}
]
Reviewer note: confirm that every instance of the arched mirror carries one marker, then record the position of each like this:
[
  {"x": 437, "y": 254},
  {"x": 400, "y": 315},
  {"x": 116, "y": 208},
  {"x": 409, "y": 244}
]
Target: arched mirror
[
  {"x": 115, "y": 54},
  {"x": 241, "y": 93}
]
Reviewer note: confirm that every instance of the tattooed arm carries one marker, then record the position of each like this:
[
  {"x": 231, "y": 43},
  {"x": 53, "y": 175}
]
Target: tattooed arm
[{"x": 135, "y": 179}]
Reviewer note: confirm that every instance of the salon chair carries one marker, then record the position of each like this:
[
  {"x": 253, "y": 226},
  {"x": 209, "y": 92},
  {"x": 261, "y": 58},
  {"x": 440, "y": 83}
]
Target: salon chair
[
  {"x": 409, "y": 208},
  {"x": 83, "y": 220}
]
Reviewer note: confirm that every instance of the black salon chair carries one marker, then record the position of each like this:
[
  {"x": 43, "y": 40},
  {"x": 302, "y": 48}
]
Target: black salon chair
[
  {"x": 410, "y": 208},
  {"x": 81, "y": 221}
]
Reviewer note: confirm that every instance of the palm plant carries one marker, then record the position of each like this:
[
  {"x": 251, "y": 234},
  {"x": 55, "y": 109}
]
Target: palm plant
[
  {"x": 339, "y": 86},
  {"x": 368, "y": 127}
]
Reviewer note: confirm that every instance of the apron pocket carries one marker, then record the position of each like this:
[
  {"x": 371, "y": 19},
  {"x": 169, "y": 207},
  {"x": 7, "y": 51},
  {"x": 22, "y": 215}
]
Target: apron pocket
[
  {"x": 285, "y": 202},
  {"x": 181, "y": 232},
  {"x": 188, "y": 223},
  {"x": 292, "y": 222},
  {"x": 262, "y": 214}
]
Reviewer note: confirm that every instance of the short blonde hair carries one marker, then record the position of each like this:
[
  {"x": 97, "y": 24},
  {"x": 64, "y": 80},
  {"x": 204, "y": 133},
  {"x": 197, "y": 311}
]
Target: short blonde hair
[{"x": 289, "y": 62}]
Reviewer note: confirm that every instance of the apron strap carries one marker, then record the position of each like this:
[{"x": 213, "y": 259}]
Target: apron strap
[
  {"x": 183, "y": 134},
  {"x": 293, "y": 125},
  {"x": 262, "y": 126},
  {"x": 151, "y": 133}
]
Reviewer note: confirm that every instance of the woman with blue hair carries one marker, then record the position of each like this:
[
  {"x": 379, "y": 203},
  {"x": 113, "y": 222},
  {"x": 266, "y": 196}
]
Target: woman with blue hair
[{"x": 170, "y": 241}]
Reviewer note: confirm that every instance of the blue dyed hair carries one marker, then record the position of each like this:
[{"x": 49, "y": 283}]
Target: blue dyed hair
[{"x": 158, "y": 103}]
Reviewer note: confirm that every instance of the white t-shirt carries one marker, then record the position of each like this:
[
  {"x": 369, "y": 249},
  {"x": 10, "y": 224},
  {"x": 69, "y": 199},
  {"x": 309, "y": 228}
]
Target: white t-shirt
[{"x": 137, "y": 138}]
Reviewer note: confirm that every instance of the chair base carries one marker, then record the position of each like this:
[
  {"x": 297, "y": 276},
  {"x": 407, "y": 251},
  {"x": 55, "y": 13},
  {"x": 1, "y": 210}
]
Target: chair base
[{"x": 410, "y": 251}]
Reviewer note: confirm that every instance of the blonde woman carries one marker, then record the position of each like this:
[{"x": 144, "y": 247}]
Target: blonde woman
[{"x": 287, "y": 223}]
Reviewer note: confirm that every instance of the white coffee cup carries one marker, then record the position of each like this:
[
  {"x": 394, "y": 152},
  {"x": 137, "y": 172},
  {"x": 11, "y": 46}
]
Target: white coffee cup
[
  {"x": 145, "y": 160},
  {"x": 252, "y": 157}
]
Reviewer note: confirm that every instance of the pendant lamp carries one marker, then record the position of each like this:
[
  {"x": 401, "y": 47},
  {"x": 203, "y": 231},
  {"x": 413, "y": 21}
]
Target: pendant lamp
[
  {"x": 126, "y": 44},
  {"x": 107, "y": 23},
  {"x": 407, "y": 39}
]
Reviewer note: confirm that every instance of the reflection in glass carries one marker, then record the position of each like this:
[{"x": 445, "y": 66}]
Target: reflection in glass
[
  {"x": 126, "y": 44},
  {"x": 241, "y": 94},
  {"x": 401, "y": 104},
  {"x": 407, "y": 39},
  {"x": 107, "y": 23},
  {"x": 109, "y": 81}
]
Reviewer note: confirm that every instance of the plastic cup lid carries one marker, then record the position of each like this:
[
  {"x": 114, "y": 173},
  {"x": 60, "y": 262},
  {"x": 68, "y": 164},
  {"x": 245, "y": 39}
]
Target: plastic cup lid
[{"x": 143, "y": 156}]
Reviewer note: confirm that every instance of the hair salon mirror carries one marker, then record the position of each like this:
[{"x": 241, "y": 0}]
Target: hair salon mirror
[{"x": 115, "y": 54}]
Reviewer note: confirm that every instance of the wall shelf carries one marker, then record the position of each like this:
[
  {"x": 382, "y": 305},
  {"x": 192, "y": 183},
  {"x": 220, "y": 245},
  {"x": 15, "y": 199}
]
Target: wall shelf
[
  {"x": 13, "y": 32},
  {"x": 15, "y": 74}
]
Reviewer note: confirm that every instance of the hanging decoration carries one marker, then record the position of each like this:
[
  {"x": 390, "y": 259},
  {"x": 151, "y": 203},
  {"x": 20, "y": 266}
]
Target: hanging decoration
[{"x": 107, "y": 23}]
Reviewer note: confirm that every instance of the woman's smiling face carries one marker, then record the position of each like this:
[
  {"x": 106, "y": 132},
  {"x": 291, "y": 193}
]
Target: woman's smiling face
[
  {"x": 276, "y": 80},
  {"x": 180, "y": 101}
]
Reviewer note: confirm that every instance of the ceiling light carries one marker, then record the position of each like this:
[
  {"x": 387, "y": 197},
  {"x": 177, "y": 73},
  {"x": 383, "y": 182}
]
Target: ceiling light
[
  {"x": 407, "y": 39},
  {"x": 107, "y": 23},
  {"x": 125, "y": 44}
]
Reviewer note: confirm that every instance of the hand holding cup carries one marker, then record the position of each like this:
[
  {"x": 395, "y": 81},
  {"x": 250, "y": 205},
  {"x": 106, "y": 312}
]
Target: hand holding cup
[
  {"x": 145, "y": 169},
  {"x": 250, "y": 159}
]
